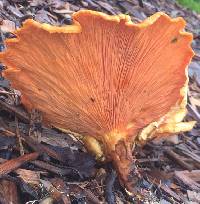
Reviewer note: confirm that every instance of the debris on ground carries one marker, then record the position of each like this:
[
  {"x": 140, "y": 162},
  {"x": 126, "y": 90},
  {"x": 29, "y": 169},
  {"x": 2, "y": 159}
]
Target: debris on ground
[{"x": 43, "y": 165}]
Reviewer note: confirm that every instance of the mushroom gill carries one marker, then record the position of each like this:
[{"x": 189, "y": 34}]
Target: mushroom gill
[{"x": 104, "y": 76}]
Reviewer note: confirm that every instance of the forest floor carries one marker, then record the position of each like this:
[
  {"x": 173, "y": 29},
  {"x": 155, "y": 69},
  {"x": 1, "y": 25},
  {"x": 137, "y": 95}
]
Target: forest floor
[{"x": 56, "y": 168}]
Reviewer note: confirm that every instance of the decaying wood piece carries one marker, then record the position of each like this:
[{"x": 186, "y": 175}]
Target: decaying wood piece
[
  {"x": 20, "y": 113},
  {"x": 189, "y": 153},
  {"x": 8, "y": 192},
  {"x": 53, "y": 169},
  {"x": 178, "y": 159},
  {"x": 62, "y": 193},
  {"x": 30, "y": 177},
  {"x": 190, "y": 179},
  {"x": 13, "y": 164},
  {"x": 104, "y": 77},
  {"x": 57, "y": 195},
  {"x": 170, "y": 192},
  {"x": 89, "y": 195}
]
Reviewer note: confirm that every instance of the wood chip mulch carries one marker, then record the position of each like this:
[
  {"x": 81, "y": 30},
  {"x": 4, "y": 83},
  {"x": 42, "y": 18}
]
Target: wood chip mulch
[{"x": 39, "y": 165}]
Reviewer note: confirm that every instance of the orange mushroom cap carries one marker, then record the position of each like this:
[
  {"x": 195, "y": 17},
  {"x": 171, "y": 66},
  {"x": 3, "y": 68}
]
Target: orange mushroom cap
[{"x": 104, "y": 76}]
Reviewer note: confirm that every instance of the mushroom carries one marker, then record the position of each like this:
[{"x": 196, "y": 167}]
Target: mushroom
[{"x": 105, "y": 77}]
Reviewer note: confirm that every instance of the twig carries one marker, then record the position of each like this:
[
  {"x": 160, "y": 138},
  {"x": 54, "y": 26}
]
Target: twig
[
  {"x": 184, "y": 176},
  {"x": 189, "y": 153},
  {"x": 6, "y": 92},
  {"x": 21, "y": 148},
  {"x": 150, "y": 160},
  {"x": 43, "y": 149},
  {"x": 90, "y": 196},
  {"x": 13, "y": 164},
  {"x": 194, "y": 112},
  {"x": 177, "y": 158},
  {"x": 36, "y": 124},
  {"x": 171, "y": 193},
  {"x": 6, "y": 132},
  {"x": 22, "y": 115},
  {"x": 197, "y": 57},
  {"x": 53, "y": 169}
]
